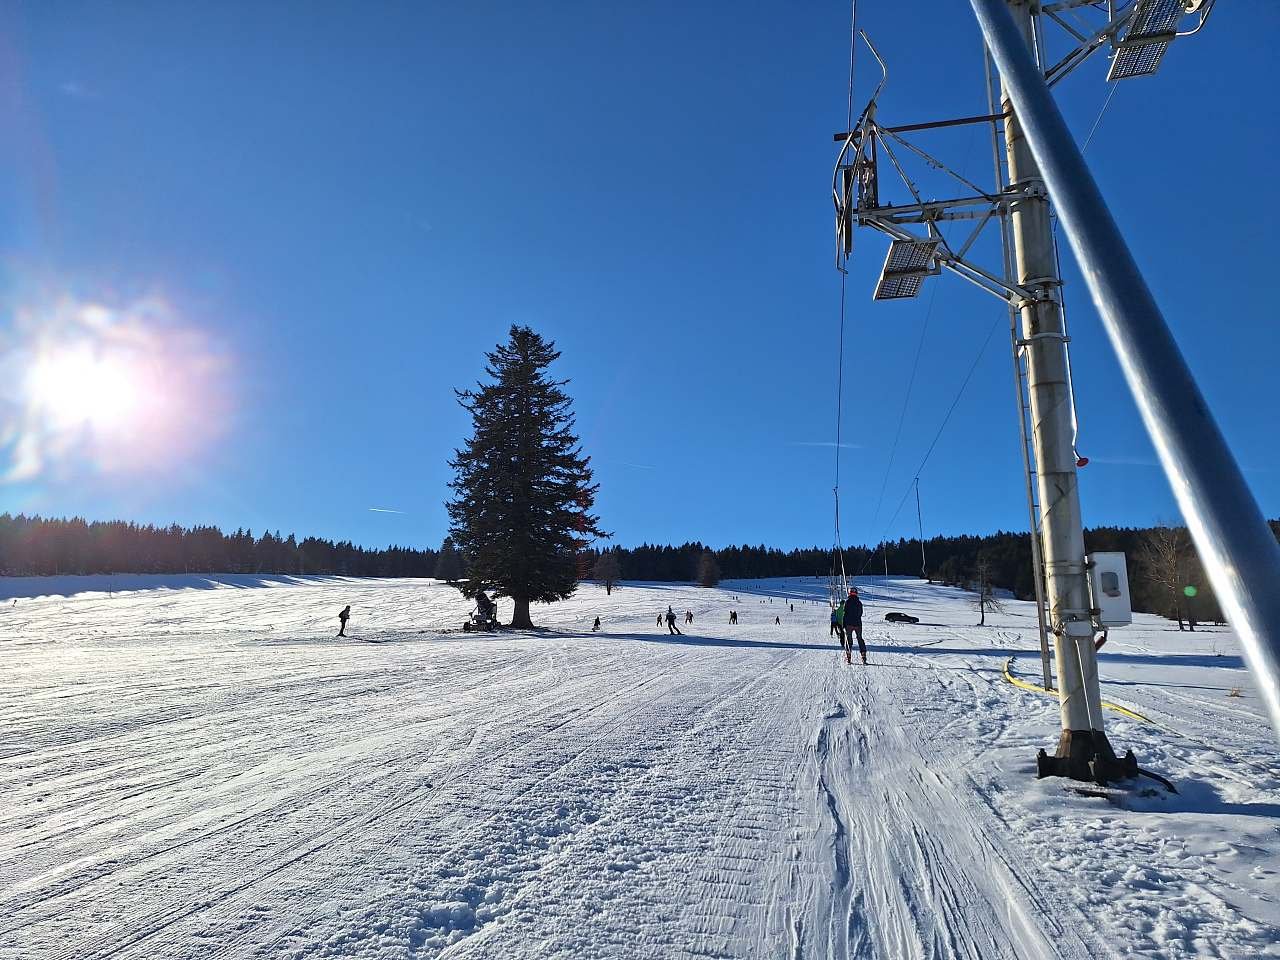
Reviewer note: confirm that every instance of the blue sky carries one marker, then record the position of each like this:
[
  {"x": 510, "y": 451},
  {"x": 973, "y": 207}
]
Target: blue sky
[{"x": 337, "y": 208}]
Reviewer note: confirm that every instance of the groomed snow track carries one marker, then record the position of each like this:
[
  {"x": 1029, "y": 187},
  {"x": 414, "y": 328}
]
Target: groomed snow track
[{"x": 209, "y": 773}]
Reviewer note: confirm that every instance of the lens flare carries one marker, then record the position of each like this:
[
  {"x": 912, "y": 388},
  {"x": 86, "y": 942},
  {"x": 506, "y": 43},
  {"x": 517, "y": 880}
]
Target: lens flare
[{"x": 85, "y": 386}]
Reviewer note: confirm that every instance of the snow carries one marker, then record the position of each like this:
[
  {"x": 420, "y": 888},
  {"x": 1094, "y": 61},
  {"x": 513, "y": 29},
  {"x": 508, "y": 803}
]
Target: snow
[{"x": 197, "y": 767}]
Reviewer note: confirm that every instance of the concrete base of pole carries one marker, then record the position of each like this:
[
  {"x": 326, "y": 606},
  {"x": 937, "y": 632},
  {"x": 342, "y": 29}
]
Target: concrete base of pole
[{"x": 1086, "y": 755}]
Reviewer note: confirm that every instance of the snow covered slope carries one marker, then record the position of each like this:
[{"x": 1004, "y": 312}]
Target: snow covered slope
[{"x": 202, "y": 770}]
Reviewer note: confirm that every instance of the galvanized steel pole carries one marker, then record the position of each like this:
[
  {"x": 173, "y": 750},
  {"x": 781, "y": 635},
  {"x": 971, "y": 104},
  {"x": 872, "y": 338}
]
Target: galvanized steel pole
[
  {"x": 1237, "y": 546},
  {"x": 1083, "y": 740}
]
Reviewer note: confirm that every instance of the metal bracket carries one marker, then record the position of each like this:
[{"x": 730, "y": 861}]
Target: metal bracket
[{"x": 1036, "y": 337}]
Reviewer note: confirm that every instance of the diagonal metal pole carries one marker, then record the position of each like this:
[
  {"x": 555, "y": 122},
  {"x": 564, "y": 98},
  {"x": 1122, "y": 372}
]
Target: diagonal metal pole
[{"x": 1239, "y": 550}]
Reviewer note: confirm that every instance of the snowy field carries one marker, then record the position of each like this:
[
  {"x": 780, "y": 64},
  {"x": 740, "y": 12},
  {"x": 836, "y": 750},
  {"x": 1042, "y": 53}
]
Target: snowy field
[{"x": 197, "y": 768}]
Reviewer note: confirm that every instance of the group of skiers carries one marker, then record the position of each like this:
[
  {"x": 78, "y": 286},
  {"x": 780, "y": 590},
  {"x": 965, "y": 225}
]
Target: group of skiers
[{"x": 846, "y": 619}]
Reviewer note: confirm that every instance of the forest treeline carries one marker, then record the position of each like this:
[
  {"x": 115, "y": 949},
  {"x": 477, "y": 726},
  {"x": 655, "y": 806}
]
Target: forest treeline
[
  {"x": 39, "y": 546},
  {"x": 1162, "y": 561},
  {"x": 1165, "y": 574}
]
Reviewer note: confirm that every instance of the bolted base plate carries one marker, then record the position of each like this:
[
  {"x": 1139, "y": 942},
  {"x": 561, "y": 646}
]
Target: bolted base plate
[{"x": 1086, "y": 755}]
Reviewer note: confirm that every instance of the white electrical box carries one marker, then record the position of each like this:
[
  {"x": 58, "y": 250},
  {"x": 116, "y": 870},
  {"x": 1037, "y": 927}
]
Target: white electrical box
[{"x": 1109, "y": 582}]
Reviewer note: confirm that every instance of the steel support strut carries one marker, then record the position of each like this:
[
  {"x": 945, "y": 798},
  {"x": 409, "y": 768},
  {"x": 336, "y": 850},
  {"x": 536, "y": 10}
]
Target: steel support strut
[{"x": 1239, "y": 550}]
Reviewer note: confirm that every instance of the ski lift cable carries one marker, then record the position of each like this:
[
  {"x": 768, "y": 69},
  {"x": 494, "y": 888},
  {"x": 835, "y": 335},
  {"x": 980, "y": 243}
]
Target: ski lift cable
[
  {"x": 906, "y": 400},
  {"x": 915, "y": 363},
  {"x": 915, "y": 482},
  {"x": 941, "y": 427},
  {"x": 838, "y": 548},
  {"x": 959, "y": 393},
  {"x": 1098, "y": 119},
  {"x": 920, "y": 528}
]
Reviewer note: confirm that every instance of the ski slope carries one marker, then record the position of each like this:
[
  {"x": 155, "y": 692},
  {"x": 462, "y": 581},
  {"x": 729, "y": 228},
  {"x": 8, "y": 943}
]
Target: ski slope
[{"x": 197, "y": 768}]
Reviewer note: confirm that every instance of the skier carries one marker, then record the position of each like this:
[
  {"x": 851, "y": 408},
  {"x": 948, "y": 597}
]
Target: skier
[
  {"x": 835, "y": 623},
  {"x": 595, "y": 626},
  {"x": 659, "y": 618},
  {"x": 853, "y": 622},
  {"x": 688, "y": 617},
  {"x": 671, "y": 622},
  {"x": 793, "y": 608},
  {"x": 342, "y": 620},
  {"x": 777, "y": 621}
]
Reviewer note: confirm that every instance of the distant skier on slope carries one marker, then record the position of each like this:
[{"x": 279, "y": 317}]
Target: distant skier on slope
[
  {"x": 688, "y": 616},
  {"x": 853, "y": 622},
  {"x": 671, "y": 622},
  {"x": 837, "y": 614},
  {"x": 595, "y": 626},
  {"x": 343, "y": 617}
]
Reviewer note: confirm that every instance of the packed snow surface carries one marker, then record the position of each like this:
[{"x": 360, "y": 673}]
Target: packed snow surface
[{"x": 196, "y": 767}]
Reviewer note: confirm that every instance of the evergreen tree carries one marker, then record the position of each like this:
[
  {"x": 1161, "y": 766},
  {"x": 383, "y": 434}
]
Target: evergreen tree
[
  {"x": 449, "y": 566},
  {"x": 708, "y": 570},
  {"x": 522, "y": 487}
]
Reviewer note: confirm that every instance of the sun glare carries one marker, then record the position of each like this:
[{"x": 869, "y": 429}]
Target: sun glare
[
  {"x": 121, "y": 391},
  {"x": 76, "y": 386}
]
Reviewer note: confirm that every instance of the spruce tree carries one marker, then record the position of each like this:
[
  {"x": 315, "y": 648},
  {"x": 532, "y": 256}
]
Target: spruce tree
[
  {"x": 449, "y": 564},
  {"x": 523, "y": 489},
  {"x": 708, "y": 570}
]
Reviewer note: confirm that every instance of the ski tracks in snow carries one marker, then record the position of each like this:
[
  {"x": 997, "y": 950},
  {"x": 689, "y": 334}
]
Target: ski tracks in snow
[
  {"x": 267, "y": 791},
  {"x": 905, "y": 863}
]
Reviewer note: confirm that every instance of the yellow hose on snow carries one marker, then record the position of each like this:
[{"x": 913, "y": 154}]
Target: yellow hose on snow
[{"x": 1052, "y": 693}]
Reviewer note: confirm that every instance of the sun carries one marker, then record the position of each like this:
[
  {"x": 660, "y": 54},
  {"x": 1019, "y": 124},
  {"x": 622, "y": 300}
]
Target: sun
[{"x": 79, "y": 386}]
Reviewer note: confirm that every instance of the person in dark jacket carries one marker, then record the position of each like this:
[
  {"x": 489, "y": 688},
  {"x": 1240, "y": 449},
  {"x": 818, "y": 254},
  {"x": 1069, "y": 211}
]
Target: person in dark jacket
[
  {"x": 853, "y": 620},
  {"x": 343, "y": 617},
  {"x": 595, "y": 626},
  {"x": 671, "y": 621}
]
